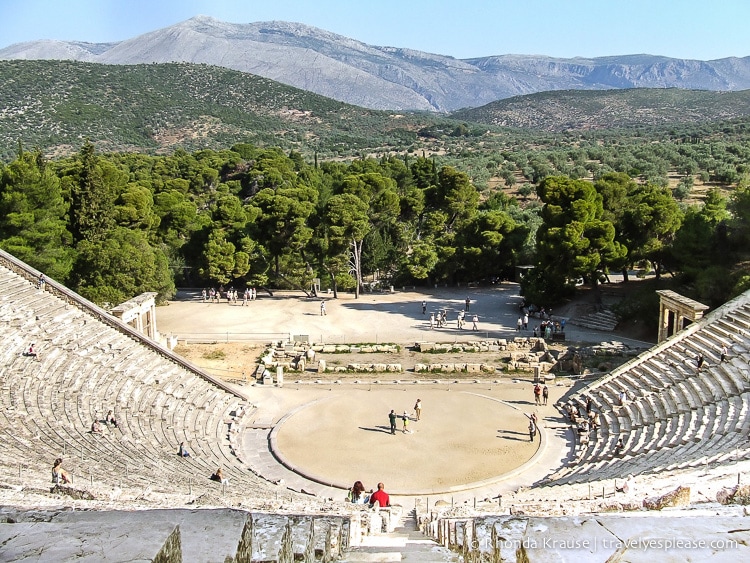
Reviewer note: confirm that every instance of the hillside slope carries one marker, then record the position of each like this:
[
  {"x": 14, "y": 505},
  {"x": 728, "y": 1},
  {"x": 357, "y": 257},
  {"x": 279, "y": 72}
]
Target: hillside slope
[
  {"x": 610, "y": 109},
  {"x": 56, "y": 105}
]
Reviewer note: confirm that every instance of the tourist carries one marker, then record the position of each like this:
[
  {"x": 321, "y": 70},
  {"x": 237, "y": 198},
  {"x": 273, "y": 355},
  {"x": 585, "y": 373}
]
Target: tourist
[
  {"x": 31, "y": 351},
  {"x": 532, "y": 429},
  {"x": 432, "y": 320},
  {"x": 699, "y": 360},
  {"x": 322, "y": 308},
  {"x": 357, "y": 494},
  {"x": 545, "y": 395},
  {"x": 623, "y": 398},
  {"x": 537, "y": 394},
  {"x": 589, "y": 404},
  {"x": 723, "y": 353},
  {"x": 526, "y": 321},
  {"x": 594, "y": 422},
  {"x": 59, "y": 475},
  {"x": 418, "y": 410},
  {"x": 405, "y": 419},
  {"x": 380, "y": 496},
  {"x": 519, "y": 324},
  {"x": 392, "y": 419},
  {"x": 468, "y": 303},
  {"x": 619, "y": 446},
  {"x": 474, "y": 321},
  {"x": 424, "y": 307},
  {"x": 110, "y": 419},
  {"x": 218, "y": 476},
  {"x": 41, "y": 282},
  {"x": 96, "y": 428},
  {"x": 182, "y": 451}
]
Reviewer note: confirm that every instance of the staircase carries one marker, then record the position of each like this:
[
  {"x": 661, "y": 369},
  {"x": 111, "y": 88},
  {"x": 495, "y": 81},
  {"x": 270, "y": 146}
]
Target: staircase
[
  {"x": 604, "y": 320},
  {"x": 405, "y": 543}
]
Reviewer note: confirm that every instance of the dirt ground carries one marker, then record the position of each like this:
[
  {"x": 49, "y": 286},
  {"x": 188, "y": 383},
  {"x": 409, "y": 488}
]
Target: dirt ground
[{"x": 395, "y": 318}]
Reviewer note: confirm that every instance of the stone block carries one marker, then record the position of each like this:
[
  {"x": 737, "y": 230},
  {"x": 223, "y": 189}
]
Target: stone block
[
  {"x": 394, "y": 367},
  {"x": 679, "y": 497},
  {"x": 739, "y": 494},
  {"x": 329, "y": 349},
  {"x": 426, "y": 346},
  {"x": 321, "y": 366},
  {"x": 379, "y": 367},
  {"x": 473, "y": 368}
]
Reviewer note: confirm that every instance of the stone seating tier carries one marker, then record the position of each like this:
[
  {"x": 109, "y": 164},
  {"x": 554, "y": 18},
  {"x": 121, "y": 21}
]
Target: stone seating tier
[{"x": 86, "y": 367}]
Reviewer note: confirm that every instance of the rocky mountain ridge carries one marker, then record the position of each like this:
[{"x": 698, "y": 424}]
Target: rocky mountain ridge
[{"x": 386, "y": 77}]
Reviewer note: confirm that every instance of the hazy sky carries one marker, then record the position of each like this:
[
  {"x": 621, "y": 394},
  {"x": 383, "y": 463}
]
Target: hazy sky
[{"x": 695, "y": 29}]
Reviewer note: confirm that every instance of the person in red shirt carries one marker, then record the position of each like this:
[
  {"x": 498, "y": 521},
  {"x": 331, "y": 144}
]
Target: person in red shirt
[{"x": 380, "y": 496}]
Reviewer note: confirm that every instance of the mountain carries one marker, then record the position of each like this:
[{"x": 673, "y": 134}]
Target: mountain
[
  {"x": 387, "y": 77},
  {"x": 576, "y": 110}
]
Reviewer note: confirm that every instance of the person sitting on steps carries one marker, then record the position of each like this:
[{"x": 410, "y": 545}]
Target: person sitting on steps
[
  {"x": 357, "y": 494},
  {"x": 183, "y": 452},
  {"x": 219, "y": 477},
  {"x": 59, "y": 475},
  {"x": 380, "y": 496}
]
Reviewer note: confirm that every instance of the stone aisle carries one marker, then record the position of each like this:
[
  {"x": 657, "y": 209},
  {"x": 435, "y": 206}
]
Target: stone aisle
[{"x": 405, "y": 543}]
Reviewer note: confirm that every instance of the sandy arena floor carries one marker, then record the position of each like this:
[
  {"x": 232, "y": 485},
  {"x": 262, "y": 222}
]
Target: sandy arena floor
[{"x": 470, "y": 433}]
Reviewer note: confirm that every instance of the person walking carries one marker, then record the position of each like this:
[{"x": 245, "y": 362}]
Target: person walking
[
  {"x": 532, "y": 429},
  {"x": 526, "y": 321},
  {"x": 723, "y": 353},
  {"x": 322, "y": 308},
  {"x": 474, "y": 321},
  {"x": 432, "y": 320},
  {"x": 468, "y": 303},
  {"x": 537, "y": 395},
  {"x": 418, "y": 410},
  {"x": 405, "y": 419},
  {"x": 545, "y": 394},
  {"x": 392, "y": 420},
  {"x": 424, "y": 307}
]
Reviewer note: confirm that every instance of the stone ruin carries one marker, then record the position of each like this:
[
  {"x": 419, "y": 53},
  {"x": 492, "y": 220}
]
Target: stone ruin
[{"x": 521, "y": 353}]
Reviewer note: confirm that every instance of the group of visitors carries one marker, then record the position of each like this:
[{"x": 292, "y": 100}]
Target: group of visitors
[
  {"x": 405, "y": 418},
  {"x": 440, "y": 319},
  {"x": 541, "y": 394},
  {"x": 585, "y": 425},
  {"x": 357, "y": 495},
  {"x": 109, "y": 420},
  {"x": 546, "y": 329},
  {"x": 213, "y": 295}
]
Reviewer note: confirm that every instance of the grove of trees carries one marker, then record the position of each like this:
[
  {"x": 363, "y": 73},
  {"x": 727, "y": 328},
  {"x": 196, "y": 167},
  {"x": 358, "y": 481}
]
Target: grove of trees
[{"x": 113, "y": 225}]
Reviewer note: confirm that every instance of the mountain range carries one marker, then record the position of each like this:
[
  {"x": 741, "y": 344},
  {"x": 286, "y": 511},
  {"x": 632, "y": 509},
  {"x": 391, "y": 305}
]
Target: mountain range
[{"x": 388, "y": 78}]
